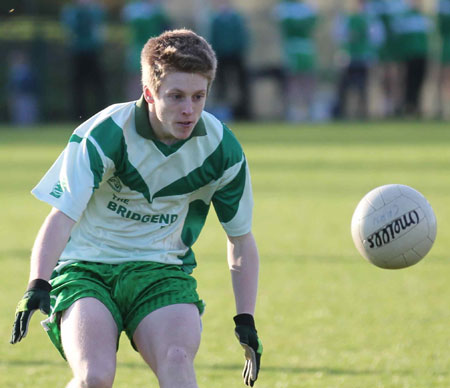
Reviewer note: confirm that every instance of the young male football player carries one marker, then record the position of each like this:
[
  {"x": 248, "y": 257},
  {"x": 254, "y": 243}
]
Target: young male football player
[{"x": 130, "y": 194}]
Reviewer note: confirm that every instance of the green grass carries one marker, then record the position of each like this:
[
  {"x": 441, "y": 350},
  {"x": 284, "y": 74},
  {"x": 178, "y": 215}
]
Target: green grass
[{"x": 327, "y": 317}]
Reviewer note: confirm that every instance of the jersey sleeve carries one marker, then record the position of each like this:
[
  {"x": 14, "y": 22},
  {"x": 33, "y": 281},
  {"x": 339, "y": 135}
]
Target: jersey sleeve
[
  {"x": 70, "y": 182},
  {"x": 233, "y": 201}
]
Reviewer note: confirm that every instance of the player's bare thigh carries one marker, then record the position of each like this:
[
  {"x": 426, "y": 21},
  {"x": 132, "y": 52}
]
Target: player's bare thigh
[
  {"x": 169, "y": 338},
  {"x": 89, "y": 338}
]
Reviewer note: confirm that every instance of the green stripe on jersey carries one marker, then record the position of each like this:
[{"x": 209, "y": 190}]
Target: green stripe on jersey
[
  {"x": 75, "y": 139},
  {"x": 109, "y": 137},
  {"x": 226, "y": 200},
  {"x": 194, "y": 222},
  {"x": 226, "y": 155},
  {"x": 96, "y": 163},
  {"x": 95, "y": 160}
]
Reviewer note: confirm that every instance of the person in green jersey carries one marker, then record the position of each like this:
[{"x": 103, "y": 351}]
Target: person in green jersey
[
  {"x": 413, "y": 28},
  {"x": 130, "y": 194},
  {"x": 390, "y": 68},
  {"x": 297, "y": 22},
  {"x": 353, "y": 35},
  {"x": 229, "y": 36},
  {"x": 443, "y": 26},
  {"x": 84, "y": 23},
  {"x": 144, "y": 19}
]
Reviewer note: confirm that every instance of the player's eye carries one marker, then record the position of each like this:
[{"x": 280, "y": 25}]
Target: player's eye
[
  {"x": 199, "y": 97},
  {"x": 176, "y": 96}
]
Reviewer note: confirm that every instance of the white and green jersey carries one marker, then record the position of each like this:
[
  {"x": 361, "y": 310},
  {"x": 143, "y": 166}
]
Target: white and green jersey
[{"x": 137, "y": 199}]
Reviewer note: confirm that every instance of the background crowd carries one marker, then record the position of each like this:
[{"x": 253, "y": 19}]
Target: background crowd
[{"x": 379, "y": 56}]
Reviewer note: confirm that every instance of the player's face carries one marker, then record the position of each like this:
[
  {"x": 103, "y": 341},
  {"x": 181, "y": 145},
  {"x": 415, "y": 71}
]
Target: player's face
[{"x": 176, "y": 108}]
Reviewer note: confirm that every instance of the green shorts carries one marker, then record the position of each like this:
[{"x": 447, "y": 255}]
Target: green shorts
[{"x": 129, "y": 290}]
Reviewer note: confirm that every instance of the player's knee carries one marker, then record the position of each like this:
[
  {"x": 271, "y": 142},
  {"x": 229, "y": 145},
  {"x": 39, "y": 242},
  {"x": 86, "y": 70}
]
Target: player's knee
[
  {"x": 179, "y": 356},
  {"x": 95, "y": 379}
]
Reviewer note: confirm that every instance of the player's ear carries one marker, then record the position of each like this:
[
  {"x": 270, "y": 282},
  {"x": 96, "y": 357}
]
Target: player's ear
[{"x": 148, "y": 95}]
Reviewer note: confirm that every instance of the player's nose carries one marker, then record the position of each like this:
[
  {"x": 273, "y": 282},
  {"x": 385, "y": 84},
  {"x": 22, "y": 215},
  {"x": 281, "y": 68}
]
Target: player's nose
[{"x": 188, "y": 108}]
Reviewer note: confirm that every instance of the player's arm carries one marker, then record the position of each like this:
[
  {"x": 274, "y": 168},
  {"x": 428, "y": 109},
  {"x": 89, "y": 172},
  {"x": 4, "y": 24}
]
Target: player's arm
[
  {"x": 243, "y": 261},
  {"x": 49, "y": 244}
]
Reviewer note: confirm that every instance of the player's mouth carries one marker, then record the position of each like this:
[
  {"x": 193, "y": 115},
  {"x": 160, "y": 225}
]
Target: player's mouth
[{"x": 185, "y": 124}]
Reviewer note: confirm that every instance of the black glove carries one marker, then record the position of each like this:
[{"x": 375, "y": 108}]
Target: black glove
[
  {"x": 248, "y": 338},
  {"x": 36, "y": 297}
]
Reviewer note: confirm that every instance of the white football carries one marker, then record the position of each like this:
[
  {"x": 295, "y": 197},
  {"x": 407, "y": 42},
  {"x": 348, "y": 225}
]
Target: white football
[{"x": 393, "y": 226}]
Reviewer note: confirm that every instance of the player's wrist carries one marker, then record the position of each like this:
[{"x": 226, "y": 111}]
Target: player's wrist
[
  {"x": 244, "y": 319},
  {"x": 39, "y": 284}
]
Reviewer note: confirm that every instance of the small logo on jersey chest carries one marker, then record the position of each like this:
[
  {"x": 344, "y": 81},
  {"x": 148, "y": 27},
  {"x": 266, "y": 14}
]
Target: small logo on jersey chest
[{"x": 115, "y": 184}]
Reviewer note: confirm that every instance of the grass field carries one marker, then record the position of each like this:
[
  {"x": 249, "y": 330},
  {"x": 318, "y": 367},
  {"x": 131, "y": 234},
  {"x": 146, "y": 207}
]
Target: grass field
[{"x": 327, "y": 318}]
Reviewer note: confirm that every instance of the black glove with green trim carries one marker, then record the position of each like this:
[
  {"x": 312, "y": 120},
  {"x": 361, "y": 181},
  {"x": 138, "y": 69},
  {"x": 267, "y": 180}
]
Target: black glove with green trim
[
  {"x": 36, "y": 297},
  {"x": 248, "y": 338}
]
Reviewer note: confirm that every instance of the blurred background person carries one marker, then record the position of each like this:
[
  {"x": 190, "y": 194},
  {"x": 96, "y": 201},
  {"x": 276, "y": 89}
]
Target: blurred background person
[
  {"x": 413, "y": 29},
  {"x": 297, "y": 21},
  {"x": 22, "y": 90},
  {"x": 84, "y": 22},
  {"x": 145, "y": 19},
  {"x": 443, "y": 25},
  {"x": 357, "y": 55},
  {"x": 229, "y": 36},
  {"x": 386, "y": 14}
]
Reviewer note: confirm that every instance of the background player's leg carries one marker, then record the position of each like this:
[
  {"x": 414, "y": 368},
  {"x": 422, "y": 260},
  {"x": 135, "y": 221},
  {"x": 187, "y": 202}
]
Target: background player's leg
[
  {"x": 89, "y": 338},
  {"x": 168, "y": 340}
]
